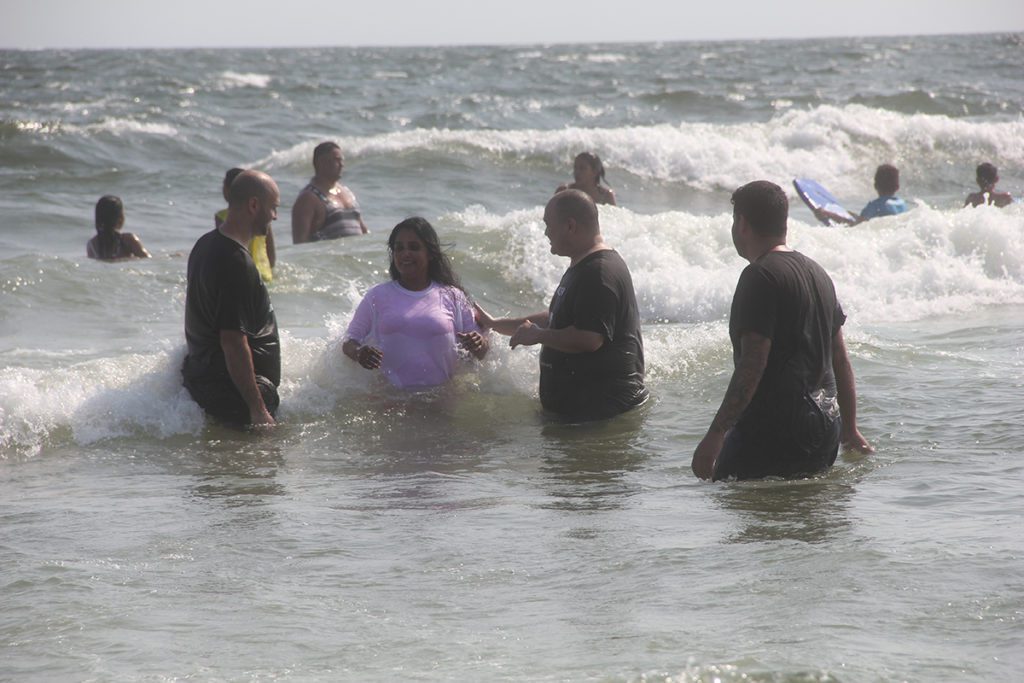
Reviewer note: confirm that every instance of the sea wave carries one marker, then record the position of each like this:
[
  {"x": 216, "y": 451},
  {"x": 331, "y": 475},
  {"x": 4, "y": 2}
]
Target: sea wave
[
  {"x": 838, "y": 145},
  {"x": 923, "y": 263},
  {"x": 233, "y": 79}
]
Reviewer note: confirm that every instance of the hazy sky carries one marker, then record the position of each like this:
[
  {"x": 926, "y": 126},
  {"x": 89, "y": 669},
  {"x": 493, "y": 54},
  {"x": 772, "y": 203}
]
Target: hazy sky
[{"x": 285, "y": 23}]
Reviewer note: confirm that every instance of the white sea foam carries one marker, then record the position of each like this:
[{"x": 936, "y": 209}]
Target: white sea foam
[
  {"x": 128, "y": 126},
  {"x": 923, "y": 263},
  {"x": 607, "y": 58},
  {"x": 840, "y": 146},
  {"x": 233, "y": 79},
  {"x": 95, "y": 400}
]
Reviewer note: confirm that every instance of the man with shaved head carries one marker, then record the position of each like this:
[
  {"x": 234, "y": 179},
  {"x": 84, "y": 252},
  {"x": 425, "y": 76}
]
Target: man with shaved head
[
  {"x": 233, "y": 364},
  {"x": 592, "y": 351}
]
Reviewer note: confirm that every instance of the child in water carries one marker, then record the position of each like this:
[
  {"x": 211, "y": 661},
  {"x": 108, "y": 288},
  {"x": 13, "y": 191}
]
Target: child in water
[
  {"x": 887, "y": 183},
  {"x": 588, "y": 176},
  {"x": 987, "y": 176},
  {"x": 261, "y": 248},
  {"x": 110, "y": 244}
]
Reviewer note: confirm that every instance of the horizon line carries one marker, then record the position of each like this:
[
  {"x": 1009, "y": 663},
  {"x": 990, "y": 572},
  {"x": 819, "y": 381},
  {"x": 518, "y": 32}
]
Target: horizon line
[{"x": 515, "y": 44}]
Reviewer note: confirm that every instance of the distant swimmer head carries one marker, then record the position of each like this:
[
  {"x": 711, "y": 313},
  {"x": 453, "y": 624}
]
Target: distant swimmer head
[
  {"x": 764, "y": 206},
  {"x": 987, "y": 176},
  {"x": 328, "y": 161},
  {"x": 587, "y": 168},
  {"x": 229, "y": 178},
  {"x": 887, "y": 180},
  {"x": 439, "y": 267},
  {"x": 109, "y": 214}
]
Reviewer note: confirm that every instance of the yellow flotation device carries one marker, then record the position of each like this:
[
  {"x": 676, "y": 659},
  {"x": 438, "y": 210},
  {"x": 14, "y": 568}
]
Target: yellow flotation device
[{"x": 257, "y": 249}]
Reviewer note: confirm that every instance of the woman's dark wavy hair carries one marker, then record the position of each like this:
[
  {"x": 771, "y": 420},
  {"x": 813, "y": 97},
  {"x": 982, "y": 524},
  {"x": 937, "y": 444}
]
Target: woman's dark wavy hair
[
  {"x": 109, "y": 212},
  {"x": 439, "y": 267},
  {"x": 594, "y": 162}
]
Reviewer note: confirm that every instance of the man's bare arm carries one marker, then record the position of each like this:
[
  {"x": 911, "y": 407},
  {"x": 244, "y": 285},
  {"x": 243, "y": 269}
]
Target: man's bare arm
[
  {"x": 754, "y": 350},
  {"x": 238, "y": 358}
]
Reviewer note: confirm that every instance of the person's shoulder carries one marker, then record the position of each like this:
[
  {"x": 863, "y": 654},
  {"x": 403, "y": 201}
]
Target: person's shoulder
[
  {"x": 217, "y": 246},
  {"x": 1001, "y": 199},
  {"x": 208, "y": 239},
  {"x": 872, "y": 208},
  {"x": 381, "y": 289},
  {"x": 385, "y": 286},
  {"x": 606, "y": 195},
  {"x": 457, "y": 294},
  {"x": 606, "y": 268},
  {"x": 306, "y": 195},
  {"x": 611, "y": 259},
  {"x": 767, "y": 270},
  {"x": 888, "y": 205}
]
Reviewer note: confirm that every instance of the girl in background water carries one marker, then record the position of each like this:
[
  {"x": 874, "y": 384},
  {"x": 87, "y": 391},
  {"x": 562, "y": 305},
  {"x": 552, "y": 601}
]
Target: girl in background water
[
  {"x": 110, "y": 244},
  {"x": 588, "y": 176}
]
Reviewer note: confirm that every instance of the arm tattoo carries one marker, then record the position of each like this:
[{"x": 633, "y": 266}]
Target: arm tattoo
[{"x": 753, "y": 356}]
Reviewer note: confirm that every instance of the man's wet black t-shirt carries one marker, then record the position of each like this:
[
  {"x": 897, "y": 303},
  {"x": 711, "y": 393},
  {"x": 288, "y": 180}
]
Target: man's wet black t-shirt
[
  {"x": 226, "y": 292},
  {"x": 595, "y": 295}
]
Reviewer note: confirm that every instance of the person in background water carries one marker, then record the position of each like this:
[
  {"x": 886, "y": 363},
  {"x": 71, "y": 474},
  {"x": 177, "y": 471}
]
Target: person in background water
[
  {"x": 987, "y": 176},
  {"x": 588, "y": 176},
  {"x": 261, "y": 248},
  {"x": 411, "y": 327},
  {"x": 887, "y": 184},
  {"x": 233, "y": 366},
  {"x": 110, "y": 244},
  {"x": 792, "y": 400},
  {"x": 325, "y": 209},
  {"x": 592, "y": 355}
]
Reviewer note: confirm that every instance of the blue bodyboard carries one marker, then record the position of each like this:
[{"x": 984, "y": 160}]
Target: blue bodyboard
[{"x": 817, "y": 197}]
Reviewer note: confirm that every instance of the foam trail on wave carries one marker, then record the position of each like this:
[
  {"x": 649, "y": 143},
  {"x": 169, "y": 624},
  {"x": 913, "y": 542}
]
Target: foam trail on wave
[
  {"x": 233, "y": 79},
  {"x": 923, "y": 263},
  {"x": 840, "y": 146},
  {"x": 95, "y": 400}
]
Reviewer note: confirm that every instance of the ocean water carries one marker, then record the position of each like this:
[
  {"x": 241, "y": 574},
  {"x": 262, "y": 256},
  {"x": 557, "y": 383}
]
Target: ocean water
[{"x": 375, "y": 535}]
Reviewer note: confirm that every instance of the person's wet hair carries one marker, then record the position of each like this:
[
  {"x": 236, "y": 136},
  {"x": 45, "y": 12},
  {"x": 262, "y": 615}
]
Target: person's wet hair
[
  {"x": 987, "y": 173},
  {"x": 887, "y": 179},
  {"x": 765, "y": 206},
  {"x": 109, "y": 212},
  {"x": 594, "y": 162},
  {"x": 322, "y": 149},
  {"x": 439, "y": 267},
  {"x": 229, "y": 178}
]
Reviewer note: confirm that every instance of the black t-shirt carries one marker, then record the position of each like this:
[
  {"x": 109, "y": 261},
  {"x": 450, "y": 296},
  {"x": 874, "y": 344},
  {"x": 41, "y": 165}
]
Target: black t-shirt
[
  {"x": 790, "y": 299},
  {"x": 226, "y": 292},
  {"x": 595, "y": 295}
]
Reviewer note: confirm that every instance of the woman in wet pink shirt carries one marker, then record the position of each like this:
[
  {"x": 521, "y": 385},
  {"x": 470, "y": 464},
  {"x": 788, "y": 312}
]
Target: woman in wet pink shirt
[{"x": 413, "y": 327}]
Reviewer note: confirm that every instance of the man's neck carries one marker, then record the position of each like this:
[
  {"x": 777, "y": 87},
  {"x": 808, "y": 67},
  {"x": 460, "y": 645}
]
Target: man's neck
[
  {"x": 325, "y": 185},
  {"x": 598, "y": 245},
  {"x": 235, "y": 229},
  {"x": 763, "y": 248}
]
